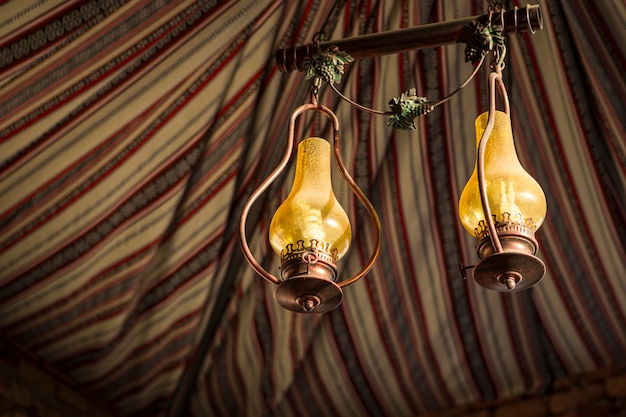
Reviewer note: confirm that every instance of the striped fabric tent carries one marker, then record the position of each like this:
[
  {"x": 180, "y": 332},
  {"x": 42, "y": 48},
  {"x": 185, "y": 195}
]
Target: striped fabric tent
[{"x": 132, "y": 132}]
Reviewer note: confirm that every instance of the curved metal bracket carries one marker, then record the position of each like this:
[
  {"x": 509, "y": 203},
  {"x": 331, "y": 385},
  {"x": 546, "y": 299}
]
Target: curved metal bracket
[
  {"x": 495, "y": 80},
  {"x": 368, "y": 206},
  {"x": 281, "y": 167},
  {"x": 261, "y": 189}
]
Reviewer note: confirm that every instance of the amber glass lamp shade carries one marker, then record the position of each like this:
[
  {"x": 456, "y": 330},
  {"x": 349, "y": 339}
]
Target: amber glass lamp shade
[
  {"x": 311, "y": 216},
  {"x": 518, "y": 208},
  {"x": 512, "y": 193}
]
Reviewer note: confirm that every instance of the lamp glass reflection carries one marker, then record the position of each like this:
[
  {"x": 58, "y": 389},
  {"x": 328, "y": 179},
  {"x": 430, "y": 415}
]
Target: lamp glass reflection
[
  {"x": 311, "y": 213},
  {"x": 513, "y": 194}
]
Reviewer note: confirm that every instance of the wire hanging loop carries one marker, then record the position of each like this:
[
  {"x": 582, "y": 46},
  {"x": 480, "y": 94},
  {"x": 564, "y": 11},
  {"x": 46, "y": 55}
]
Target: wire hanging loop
[
  {"x": 494, "y": 36},
  {"x": 291, "y": 142},
  {"x": 315, "y": 89},
  {"x": 495, "y": 83}
]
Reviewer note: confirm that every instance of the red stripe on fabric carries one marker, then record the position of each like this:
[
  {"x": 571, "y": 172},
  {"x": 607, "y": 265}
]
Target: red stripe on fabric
[
  {"x": 511, "y": 324},
  {"x": 122, "y": 310},
  {"x": 145, "y": 140},
  {"x": 441, "y": 385},
  {"x": 156, "y": 368},
  {"x": 117, "y": 137},
  {"x": 347, "y": 23},
  {"x": 66, "y": 301},
  {"x": 82, "y": 90},
  {"x": 302, "y": 23},
  {"x": 142, "y": 348},
  {"x": 608, "y": 37},
  {"x": 76, "y": 70},
  {"x": 574, "y": 196},
  {"x": 589, "y": 243},
  {"x": 33, "y": 26},
  {"x": 120, "y": 87}
]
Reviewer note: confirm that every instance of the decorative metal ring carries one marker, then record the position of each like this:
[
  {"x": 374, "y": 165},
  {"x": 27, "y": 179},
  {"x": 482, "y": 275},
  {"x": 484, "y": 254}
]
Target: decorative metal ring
[
  {"x": 530, "y": 27},
  {"x": 310, "y": 257}
]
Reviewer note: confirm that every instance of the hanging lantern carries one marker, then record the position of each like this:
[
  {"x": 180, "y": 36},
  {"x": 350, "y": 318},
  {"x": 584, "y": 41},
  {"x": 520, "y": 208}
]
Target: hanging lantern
[
  {"x": 310, "y": 231},
  {"x": 502, "y": 205}
]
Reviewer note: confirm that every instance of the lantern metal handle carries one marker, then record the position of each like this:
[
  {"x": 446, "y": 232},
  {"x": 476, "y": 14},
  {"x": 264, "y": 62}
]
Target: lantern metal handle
[
  {"x": 281, "y": 167},
  {"x": 495, "y": 80}
]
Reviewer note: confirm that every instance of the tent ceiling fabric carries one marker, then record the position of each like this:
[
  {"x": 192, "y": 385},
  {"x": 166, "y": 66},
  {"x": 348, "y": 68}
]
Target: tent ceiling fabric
[{"x": 131, "y": 133}]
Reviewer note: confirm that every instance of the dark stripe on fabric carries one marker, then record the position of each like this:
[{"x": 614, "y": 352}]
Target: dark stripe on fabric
[
  {"x": 447, "y": 226},
  {"x": 392, "y": 299},
  {"x": 305, "y": 378},
  {"x": 266, "y": 334},
  {"x": 99, "y": 232},
  {"x": 164, "y": 289},
  {"x": 119, "y": 388},
  {"x": 354, "y": 368},
  {"x": 150, "y": 45},
  {"x": 398, "y": 310},
  {"x": 126, "y": 65},
  {"x": 585, "y": 289},
  {"x": 546, "y": 352},
  {"x": 600, "y": 151},
  {"x": 133, "y": 147},
  {"x": 517, "y": 335},
  {"x": 60, "y": 24},
  {"x": 109, "y": 292},
  {"x": 234, "y": 266}
]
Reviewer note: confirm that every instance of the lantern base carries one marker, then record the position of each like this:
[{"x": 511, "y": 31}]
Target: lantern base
[
  {"x": 514, "y": 269},
  {"x": 309, "y": 294},
  {"x": 509, "y": 271}
]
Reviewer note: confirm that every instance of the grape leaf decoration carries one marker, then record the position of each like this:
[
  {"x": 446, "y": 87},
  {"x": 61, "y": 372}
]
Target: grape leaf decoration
[
  {"x": 328, "y": 64},
  {"x": 406, "y": 108},
  {"x": 480, "y": 39}
]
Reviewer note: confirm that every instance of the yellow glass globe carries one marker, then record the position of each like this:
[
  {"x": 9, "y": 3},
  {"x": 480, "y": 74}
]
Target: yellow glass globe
[
  {"x": 511, "y": 191},
  {"x": 311, "y": 212}
]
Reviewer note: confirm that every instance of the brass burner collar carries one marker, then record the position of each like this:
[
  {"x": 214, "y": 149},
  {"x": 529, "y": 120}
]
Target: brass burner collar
[{"x": 513, "y": 238}]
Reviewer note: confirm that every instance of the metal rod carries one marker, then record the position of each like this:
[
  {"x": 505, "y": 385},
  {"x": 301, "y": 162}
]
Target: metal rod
[
  {"x": 494, "y": 77},
  {"x": 366, "y": 203},
  {"x": 525, "y": 19}
]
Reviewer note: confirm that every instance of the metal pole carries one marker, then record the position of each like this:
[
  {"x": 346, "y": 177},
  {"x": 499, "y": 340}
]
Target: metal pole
[{"x": 525, "y": 19}]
